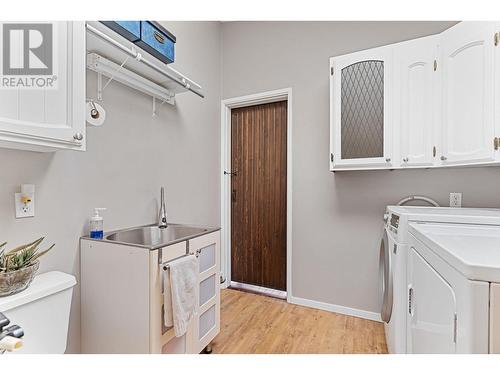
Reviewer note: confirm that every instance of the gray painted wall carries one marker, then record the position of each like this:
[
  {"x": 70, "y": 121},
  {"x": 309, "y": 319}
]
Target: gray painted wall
[
  {"x": 127, "y": 161},
  {"x": 337, "y": 217}
]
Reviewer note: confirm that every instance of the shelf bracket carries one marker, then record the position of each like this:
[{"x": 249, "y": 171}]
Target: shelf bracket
[
  {"x": 100, "y": 88},
  {"x": 155, "y": 108}
]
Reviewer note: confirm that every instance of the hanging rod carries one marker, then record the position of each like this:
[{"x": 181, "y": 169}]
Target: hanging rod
[
  {"x": 138, "y": 57},
  {"x": 166, "y": 265}
]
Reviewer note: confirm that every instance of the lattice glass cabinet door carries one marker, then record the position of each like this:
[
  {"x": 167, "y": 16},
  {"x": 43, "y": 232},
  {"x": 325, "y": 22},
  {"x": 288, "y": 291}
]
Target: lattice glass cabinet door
[{"x": 361, "y": 86}]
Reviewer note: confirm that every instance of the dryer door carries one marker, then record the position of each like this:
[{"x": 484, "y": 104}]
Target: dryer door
[
  {"x": 385, "y": 278},
  {"x": 432, "y": 306}
]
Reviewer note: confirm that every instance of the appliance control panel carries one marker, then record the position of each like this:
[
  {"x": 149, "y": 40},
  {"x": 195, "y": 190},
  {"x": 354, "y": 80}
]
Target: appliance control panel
[{"x": 395, "y": 221}]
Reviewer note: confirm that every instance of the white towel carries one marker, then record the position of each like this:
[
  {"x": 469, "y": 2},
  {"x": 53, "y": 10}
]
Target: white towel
[{"x": 179, "y": 293}]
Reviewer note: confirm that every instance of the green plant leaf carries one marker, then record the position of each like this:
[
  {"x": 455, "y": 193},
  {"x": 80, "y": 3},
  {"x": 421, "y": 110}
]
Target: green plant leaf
[
  {"x": 38, "y": 255},
  {"x": 33, "y": 244},
  {"x": 22, "y": 256}
]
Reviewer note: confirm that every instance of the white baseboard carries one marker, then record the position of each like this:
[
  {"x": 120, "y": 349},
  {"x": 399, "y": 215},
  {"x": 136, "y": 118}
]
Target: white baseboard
[{"x": 335, "y": 308}]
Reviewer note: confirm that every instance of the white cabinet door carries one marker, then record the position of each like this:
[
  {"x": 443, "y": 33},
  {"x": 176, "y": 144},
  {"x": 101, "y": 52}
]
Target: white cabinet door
[
  {"x": 494, "y": 341},
  {"x": 431, "y": 323},
  {"x": 496, "y": 42},
  {"x": 361, "y": 109},
  {"x": 161, "y": 338},
  {"x": 50, "y": 113},
  {"x": 207, "y": 320},
  {"x": 467, "y": 61},
  {"x": 417, "y": 101}
]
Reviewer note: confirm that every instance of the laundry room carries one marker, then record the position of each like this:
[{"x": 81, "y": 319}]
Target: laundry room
[{"x": 180, "y": 180}]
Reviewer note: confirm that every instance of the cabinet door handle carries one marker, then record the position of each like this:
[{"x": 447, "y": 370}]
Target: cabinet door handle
[
  {"x": 388, "y": 160},
  {"x": 78, "y": 136},
  {"x": 405, "y": 160}
]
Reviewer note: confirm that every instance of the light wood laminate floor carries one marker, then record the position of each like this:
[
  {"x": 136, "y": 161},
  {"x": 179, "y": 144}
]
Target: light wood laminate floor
[{"x": 253, "y": 323}]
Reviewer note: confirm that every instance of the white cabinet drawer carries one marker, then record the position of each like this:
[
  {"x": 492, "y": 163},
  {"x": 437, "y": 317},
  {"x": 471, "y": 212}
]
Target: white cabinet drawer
[{"x": 173, "y": 251}]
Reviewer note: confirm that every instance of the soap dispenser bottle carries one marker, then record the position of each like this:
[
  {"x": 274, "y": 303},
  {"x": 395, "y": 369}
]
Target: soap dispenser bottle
[{"x": 96, "y": 224}]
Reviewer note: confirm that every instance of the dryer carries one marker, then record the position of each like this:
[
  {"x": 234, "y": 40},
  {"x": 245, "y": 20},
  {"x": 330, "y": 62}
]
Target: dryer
[
  {"x": 453, "y": 279},
  {"x": 394, "y": 251}
]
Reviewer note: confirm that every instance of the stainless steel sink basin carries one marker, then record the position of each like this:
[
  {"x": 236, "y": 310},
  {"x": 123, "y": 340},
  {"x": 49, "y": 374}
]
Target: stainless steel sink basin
[{"x": 152, "y": 237}]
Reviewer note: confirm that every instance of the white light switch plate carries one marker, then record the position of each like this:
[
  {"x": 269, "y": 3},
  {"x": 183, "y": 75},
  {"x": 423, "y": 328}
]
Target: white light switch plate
[
  {"x": 22, "y": 209},
  {"x": 455, "y": 199}
]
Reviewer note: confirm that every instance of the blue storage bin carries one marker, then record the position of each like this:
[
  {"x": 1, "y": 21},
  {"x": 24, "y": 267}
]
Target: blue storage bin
[
  {"x": 130, "y": 30},
  {"x": 157, "y": 41}
]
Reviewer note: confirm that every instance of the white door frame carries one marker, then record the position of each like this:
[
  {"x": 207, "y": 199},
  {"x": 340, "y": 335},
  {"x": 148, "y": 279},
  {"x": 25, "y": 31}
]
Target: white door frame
[{"x": 226, "y": 106}]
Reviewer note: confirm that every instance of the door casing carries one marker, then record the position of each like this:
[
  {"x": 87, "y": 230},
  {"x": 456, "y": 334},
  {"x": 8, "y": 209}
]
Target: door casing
[{"x": 226, "y": 106}]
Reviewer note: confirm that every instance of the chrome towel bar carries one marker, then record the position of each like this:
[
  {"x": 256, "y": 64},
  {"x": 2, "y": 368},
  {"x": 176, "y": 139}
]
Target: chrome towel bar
[{"x": 166, "y": 265}]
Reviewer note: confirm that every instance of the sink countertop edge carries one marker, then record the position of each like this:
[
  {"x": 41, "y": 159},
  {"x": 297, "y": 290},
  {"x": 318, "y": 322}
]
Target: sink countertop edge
[{"x": 207, "y": 230}]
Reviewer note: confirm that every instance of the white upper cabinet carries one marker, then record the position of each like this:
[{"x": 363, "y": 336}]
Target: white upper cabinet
[
  {"x": 416, "y": 101},
  {"x": 496, "y": 42},
  {"x": 468, "y": 87},
  {"x": 361, "y": 89},
  {"x": 43, "y": 86},
  {"x": 435, "y": 99}
]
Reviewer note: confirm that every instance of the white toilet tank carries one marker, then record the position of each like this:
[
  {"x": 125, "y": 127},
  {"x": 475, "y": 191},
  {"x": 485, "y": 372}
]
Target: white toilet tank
[{"x": 42, "y": 311}]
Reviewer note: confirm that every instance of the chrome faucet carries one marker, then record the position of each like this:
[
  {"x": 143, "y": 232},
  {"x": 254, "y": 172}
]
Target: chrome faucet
[{"x": 162, "y": 216}]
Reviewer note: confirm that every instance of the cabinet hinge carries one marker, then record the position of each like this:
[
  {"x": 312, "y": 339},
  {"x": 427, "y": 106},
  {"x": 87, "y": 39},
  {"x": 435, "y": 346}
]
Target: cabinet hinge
[
  {"x": 455, "y": 328},
  {"x": 496, "y": 143},
  {"x": 496, "y": 37},
  {"x": 435, "y": 65},
  {"x": 331, "y": 157},
  {"x": 434, "y": 151},
  {"x": 331, "y": 70}
]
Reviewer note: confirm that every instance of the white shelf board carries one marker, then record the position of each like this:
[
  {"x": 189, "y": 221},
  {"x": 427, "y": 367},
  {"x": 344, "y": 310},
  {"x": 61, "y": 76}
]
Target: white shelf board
[{"x": 96, "y": 44}]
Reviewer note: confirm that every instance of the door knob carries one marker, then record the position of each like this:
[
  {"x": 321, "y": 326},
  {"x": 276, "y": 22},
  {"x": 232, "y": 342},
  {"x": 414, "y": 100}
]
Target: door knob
[
  {"x": 443, "y": 158},
  {"x": 405, "y": 160},
  {"x": 78, "y": 136},
  {"x": 388, "y": 160}
]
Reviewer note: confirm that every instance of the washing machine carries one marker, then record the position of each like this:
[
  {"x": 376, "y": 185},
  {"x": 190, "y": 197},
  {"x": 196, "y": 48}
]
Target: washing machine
[
  {"x": 392, "y": 276},
  {"x": 394, "y": 249}
]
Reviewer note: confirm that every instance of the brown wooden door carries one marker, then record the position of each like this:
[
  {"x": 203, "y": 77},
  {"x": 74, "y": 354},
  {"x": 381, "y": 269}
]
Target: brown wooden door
[{"x": 258, "y": 195}]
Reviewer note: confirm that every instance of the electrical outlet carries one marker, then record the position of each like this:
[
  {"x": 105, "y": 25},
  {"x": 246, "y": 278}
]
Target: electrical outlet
[
  {"x": 25, "y": 201},
  {"x": 455, "y": 199}
]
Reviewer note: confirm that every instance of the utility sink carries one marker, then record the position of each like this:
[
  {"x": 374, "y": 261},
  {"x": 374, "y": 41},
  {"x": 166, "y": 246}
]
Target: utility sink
[{"x": 153, "y": 237}]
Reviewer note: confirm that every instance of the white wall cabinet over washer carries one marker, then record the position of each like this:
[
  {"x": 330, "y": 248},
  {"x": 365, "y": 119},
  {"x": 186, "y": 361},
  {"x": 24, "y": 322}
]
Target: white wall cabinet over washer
[
  {"x": 416, "y": 102},
  {"x": 441, "y": 106},
  {"x": 49, "y": 119},
  {"x": 468, "y": 93},
  {"x": 361, "y": 91}
]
